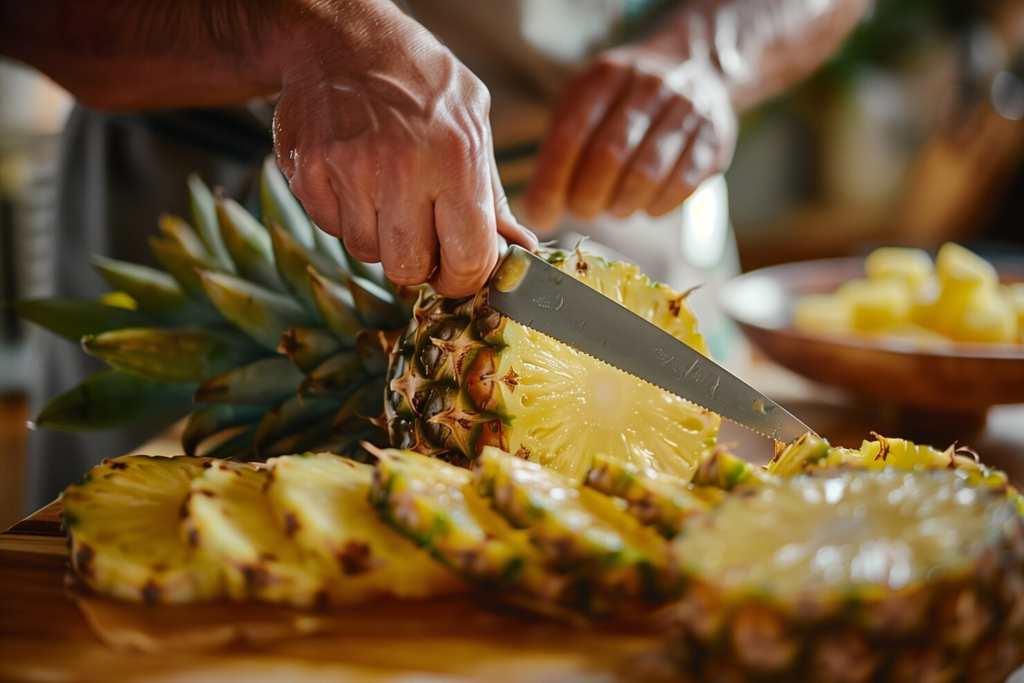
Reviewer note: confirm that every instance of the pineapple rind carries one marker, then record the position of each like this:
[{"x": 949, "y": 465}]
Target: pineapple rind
[{"x": 436, "y": 505}]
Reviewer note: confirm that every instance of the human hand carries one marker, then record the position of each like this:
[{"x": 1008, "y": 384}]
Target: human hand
[
  {"x": 635, "y": 131},
  {"x": 385, "y": 138}
]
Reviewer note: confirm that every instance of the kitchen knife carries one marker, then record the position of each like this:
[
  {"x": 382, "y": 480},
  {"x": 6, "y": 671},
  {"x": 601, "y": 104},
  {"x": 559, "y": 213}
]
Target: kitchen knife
[{"x": 529, "y": 290}]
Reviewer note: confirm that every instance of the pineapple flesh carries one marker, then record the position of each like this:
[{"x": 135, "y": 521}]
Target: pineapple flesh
[
  {"x": 227, "y": 515},
  {"x": 123, "y": 521},
  {"x": 323, "y": 503},
  {"x": 854, "y": 576}
]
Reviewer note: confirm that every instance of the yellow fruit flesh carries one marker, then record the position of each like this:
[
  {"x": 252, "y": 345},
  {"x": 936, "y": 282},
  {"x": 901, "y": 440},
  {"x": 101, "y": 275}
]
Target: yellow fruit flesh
[
  {"x": 567, "y": 406},
  {"x": 124, "y": 523},
  {"x": 912, "y": 267},
  {"x": 229, "y": 518},
  {"x": 824, "y": 534},
  {"x": 962, "y": 301},
  {"x": 322, "y": 501}
]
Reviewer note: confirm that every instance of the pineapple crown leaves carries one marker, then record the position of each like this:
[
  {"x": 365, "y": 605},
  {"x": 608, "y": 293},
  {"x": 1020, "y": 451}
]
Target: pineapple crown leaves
[{"x": 258, "y": 328}]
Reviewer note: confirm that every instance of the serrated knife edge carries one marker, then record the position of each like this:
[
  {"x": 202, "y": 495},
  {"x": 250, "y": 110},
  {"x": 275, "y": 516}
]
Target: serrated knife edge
[{"x": 534, "y": 293}]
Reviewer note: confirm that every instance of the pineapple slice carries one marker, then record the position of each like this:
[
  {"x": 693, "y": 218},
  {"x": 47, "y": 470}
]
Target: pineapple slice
[
  {"x": 228, "y": 515},
  {"x": 123, "y": 525},
  {"x": 912, "y": 267},
  {"x": 810, "y": 453},
  {"x": 654, "y": 498},
  {"x": 855, "y": 577},
  {"x": 437, "y": 506},
  {"x": 322, "y": 501},
  {"x": 577, "y": 529}
]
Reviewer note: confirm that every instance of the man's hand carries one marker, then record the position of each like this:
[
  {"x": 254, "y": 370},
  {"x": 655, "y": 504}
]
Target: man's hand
[
  {"x": 388, "y": 146},
  {"x": 383, "y": 133},
  {"x": 635, "y": 131}
]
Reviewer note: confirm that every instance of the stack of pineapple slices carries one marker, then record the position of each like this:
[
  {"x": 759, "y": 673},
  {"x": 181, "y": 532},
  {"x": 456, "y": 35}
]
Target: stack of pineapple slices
[{"x": 894, "y": 562}]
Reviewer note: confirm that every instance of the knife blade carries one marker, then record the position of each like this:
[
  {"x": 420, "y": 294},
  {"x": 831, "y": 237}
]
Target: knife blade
[{"x": 529, "y": 290}]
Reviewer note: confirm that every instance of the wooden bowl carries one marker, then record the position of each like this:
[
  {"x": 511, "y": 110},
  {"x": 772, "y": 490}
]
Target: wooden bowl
[{"x": 961, "y": 379}]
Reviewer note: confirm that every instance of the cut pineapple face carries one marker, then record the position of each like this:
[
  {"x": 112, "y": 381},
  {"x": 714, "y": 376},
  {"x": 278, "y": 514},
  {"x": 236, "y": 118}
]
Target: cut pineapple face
[
  {"x": 565, "y": 405},
  {"x": 437, "y": 506},
  {"x": 123, "y": 520},
  {"x": 862, "y": 577},
  {"x": 877, "y": 531},
  {"x": 229, "y": 517},
  {"x": 577, "y": 529},
  {"x": 322, "y": 502}
]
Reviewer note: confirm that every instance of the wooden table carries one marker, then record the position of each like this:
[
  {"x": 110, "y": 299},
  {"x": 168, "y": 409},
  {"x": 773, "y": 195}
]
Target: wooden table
[{"x": 45, "y": 637}]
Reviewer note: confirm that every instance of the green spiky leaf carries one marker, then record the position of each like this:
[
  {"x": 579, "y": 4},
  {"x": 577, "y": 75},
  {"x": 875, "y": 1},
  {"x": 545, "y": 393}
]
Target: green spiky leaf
[
  {"x": 77, "y": 318},
  {"x": 261, "y": 314},
  {"x": 262, "y": 382},
  {"x": 214, "y": 419},
  {"x": 248, "y": 243},
  {"x": 157, "y": 293},
  {"x": 187, "y": 355},
  {"x": 114, "y": 399}
]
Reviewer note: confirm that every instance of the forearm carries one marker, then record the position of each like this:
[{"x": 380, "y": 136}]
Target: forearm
[
  {"x": 130, "y": 55},
  {"x": 759, "y": 47}
]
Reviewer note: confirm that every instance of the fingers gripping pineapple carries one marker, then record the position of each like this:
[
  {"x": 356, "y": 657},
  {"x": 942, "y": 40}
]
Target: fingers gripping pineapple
[{"x": 286, "y": 344}]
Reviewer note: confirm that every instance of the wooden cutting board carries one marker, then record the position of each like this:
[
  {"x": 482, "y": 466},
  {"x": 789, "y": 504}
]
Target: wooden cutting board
[{"x": 48, "y": 632}]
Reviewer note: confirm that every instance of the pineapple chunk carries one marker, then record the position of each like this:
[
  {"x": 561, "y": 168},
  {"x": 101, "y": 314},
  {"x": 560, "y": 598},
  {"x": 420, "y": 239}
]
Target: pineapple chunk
[
  {"x": 322, "y": 502},
  {"x": 912, "y": 267},
  {"x": 125, "y": 539},
  {"x": 988, "y": 319},
  {"x": 963, "y": 269},
  {"x": 1014, "y": 295},
  {"x": 229, "y": 517},
  {"x": 823, "y": 314},
  {"x": 876, "y": 304},
  {"x": 437, "y": 506},
  {"x": 578, "y": 529}
]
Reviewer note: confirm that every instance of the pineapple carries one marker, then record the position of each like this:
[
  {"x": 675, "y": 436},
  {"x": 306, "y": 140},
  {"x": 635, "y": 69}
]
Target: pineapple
[
  {"x": 854, "y": 576},
  {"x": 438, "y": 507},
  {"x": 124, "y": 531},
  {"x": 810, "y": 452},
  {"x": 322, "y": 502},
  {"x": 912, "y": 267},
  {"x": 664, "y": 501},
  {"x": 228, "y": 516},
  {"x": 286, "y": 344},
  {"x": 578, "y": 530}
]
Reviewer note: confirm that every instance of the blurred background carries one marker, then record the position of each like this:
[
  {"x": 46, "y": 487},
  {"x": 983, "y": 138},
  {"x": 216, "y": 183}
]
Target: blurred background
[{"x": 912, "y": 134}]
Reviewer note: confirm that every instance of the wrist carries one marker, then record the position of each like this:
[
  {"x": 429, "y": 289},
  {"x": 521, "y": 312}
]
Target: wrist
[{"x": 348, "y": 36}]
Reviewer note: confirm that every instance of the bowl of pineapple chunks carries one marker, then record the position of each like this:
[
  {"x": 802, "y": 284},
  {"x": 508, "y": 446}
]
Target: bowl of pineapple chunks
[{"x": 943, "y": 335}]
